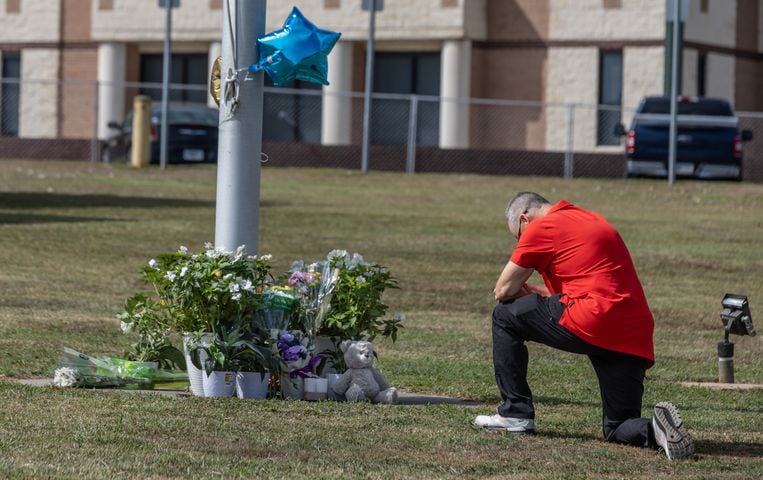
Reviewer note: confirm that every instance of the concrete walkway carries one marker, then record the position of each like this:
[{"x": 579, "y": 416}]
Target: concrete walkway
[{"x": 404, "y": 398}]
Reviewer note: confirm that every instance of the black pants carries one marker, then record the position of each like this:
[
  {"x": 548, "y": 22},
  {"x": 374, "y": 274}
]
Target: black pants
[{"x": 621, "y": 376}]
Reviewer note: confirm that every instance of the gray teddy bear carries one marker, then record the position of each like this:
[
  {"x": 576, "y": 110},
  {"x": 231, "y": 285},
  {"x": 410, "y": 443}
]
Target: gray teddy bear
[{"x": 362, "y": 381}]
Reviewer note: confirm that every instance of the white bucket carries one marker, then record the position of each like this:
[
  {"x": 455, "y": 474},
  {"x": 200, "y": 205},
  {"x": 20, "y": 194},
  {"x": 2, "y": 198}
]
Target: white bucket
[
  {"x": 219, "y": 384},
  {"x": 316, "y": 389},
  {"x": 252, "y": 385},
  {"x": 194, "y": 374}
]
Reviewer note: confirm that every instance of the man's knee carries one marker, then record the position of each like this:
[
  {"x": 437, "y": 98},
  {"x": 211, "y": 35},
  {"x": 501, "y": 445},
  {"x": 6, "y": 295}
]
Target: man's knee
[{"x": 503, "y": 315}]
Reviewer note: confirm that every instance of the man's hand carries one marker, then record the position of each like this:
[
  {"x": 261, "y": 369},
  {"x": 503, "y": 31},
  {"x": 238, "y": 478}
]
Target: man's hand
[{"x": 539, "y": 289}]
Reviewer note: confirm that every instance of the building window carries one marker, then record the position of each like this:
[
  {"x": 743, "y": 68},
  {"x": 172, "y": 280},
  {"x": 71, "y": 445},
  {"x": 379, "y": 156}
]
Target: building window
[
  {"x": 105, "y": 4},
  {"x": 702, "y": 74},
  {"x": 704, "y": 6},
  {"x": 408, "y": 74},
  {"x": 9, "y": 105},
  {"x": 12, "y": 6},
  {"x": 186, "y": 69},
  {"x": 610, "y": 4},
  {"x": 610, "y": 96},
  {"x": 331, "y": 4},
  {"x": 292, "y": 116}
]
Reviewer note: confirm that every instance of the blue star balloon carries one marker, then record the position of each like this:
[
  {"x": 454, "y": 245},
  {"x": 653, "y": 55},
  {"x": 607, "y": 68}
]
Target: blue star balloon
[{"x": 298, "y": 50}]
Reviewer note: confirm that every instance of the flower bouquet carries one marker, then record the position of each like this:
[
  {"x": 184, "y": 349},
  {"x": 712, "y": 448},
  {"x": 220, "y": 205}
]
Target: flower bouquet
[
  {"x": 77, "y": 369},
  {"x": 211, "y": 291},
  {"x": 294, "y": 350},
  {"x": 357, "y": 308}
]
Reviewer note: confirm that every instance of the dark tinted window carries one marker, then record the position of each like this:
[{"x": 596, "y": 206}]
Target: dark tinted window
[
  {"x": 197, "y": 117},
  {"x": 700, "y": 107},
  {"x": 9, "y": 119},
  {"x": 187, "y": 69}
]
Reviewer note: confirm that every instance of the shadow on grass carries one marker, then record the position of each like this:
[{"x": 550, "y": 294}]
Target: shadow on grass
[
  {"x": 566, "y": 401},
  {"x": 29, "y": 219},
  {"x": 10, "y": 200},
  {"x": 731, "y": 449}
]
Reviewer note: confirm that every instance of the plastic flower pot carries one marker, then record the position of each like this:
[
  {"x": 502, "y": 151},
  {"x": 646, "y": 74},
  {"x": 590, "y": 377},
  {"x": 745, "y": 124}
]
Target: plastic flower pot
[
  {"x": 252, "y": 385},
  {"x": 219, "y": 384},
  {"x": 291, "y": 388},
  {"x": 316, "y": 389},
  {"x": 194, "y": 374}
]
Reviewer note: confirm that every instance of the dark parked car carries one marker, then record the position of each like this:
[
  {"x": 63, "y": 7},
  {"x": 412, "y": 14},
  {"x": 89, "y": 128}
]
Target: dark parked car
[
  {"x": 192, "y": 135},
  {"x": 708, "y": 139}
]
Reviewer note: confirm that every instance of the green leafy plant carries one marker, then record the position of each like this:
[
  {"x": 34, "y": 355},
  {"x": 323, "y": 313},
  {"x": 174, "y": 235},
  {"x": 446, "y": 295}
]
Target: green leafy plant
[
  {"x": 210, "y": 291},
  {"x": 145, "y": 318},
  {"x": 210, "y": 288},
  {"x": 233, "y": 348},
  {"x": 357, "y": 309}
]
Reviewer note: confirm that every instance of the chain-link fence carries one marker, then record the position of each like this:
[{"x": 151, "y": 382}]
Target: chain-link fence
[{"x": 307, "y": 127}]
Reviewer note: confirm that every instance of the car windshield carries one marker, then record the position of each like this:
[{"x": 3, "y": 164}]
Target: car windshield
[
  {"x": 208, "y": 117},
  {"x": 718, "y": 108}
]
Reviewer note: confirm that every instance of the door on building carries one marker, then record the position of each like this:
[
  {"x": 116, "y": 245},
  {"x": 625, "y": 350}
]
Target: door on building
[
  {"x": 9, "y": 106},
  {"x": 610, "y": 97},
  {"x": 185, "y": 69},
  {"x": 405, "y": 73}
]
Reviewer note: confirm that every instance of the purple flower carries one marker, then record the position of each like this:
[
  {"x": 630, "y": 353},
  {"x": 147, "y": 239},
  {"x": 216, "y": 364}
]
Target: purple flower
[
  {"x": 294, "y": 353},
  {"x": 300, "y": 277},
  {"x": 286, "y": 337}
]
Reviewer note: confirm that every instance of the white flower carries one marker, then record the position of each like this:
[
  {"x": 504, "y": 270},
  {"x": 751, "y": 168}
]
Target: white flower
[
  {"x": 247, "y": 285},
  {"x": 183, "y": 271},
  {"x": 183, "y": 249},
  {"x": 267, "y": 257},
  {"x": 236, "y": 296},
  {"x": 153, "y": 263},
  {"x": 170, "y": 276},
  {"x": 360, "y": 279},
  {"x": 234, "y": 287},
  {"x": 126, "y": 328},
  {"x": 357, "y": 259},
  {"x": 339, "y": 255},
  {"x": 65, "y": 377}
]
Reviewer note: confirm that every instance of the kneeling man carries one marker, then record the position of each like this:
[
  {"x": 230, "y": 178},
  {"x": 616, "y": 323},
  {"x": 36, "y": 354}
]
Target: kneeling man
[{"x": 592, "y": 304}]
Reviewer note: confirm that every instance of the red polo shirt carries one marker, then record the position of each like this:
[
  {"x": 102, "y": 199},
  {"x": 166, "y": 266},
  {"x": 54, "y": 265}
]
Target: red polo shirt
[{"x": 580, "y": 255}]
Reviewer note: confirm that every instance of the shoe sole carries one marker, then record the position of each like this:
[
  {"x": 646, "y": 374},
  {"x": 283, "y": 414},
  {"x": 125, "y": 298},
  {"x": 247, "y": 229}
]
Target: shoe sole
[
  {"x": 503, "y": 429},
  {"x": 669, "y": 432}
]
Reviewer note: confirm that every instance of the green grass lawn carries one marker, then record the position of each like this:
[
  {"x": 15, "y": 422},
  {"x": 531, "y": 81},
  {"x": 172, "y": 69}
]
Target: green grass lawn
[{"x": 74, "y": 236}]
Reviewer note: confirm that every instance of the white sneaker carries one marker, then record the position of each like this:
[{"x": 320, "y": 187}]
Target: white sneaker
[
  {"x": 497, "y": 422},
  {"x": 669, "y": 432}
]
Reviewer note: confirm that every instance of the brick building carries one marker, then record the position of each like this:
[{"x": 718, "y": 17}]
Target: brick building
[{"x": 586, "y": 52}]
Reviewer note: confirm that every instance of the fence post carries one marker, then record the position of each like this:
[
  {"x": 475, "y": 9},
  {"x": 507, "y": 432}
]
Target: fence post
[
  {"x": 413, "y": 114},
  {"x": 569, "y": 159}
]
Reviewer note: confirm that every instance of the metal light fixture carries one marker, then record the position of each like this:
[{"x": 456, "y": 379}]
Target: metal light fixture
[{"x": 736, "y": 319}]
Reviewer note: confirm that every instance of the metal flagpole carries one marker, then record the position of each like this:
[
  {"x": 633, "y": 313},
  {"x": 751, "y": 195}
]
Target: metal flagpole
[
  {"x": 673, "y": 94},
  {"x": 168, "y": 4},
  {"x": 240, "y": 132},
  {"x": 369, "y": 85}
]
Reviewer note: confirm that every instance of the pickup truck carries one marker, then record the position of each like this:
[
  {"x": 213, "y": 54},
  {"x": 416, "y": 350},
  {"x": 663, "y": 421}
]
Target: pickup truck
[{"x": 708, "y": 140}]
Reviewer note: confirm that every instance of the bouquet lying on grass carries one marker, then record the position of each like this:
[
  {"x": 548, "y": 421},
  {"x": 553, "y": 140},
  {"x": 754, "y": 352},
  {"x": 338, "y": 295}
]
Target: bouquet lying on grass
[{"x": 79, "y": 370}]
